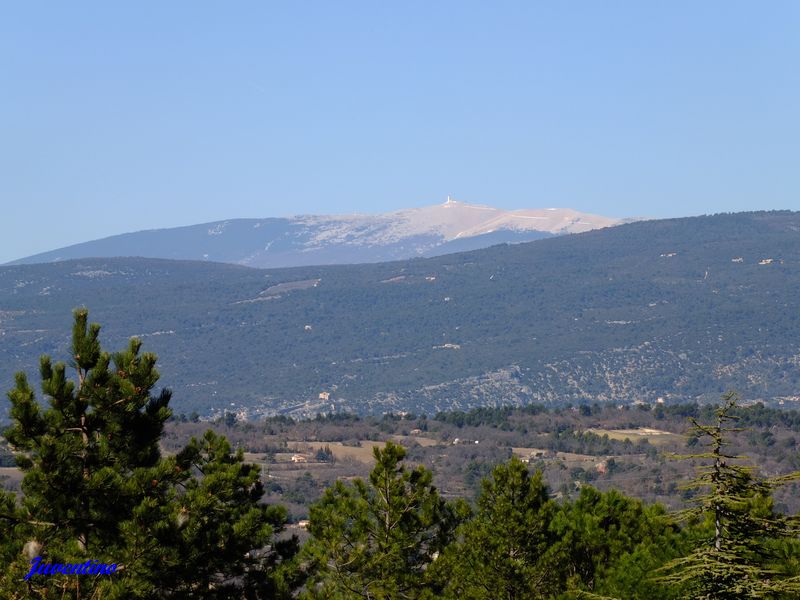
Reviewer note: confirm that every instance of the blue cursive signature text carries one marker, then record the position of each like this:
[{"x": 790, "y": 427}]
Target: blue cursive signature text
[{"x": 90, "y": 567}]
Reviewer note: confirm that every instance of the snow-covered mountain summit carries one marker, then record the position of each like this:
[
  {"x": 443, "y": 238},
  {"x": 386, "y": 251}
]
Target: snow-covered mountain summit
[
  {"x": 336, "y": 239},
  {"x": 450, "y": 221}
]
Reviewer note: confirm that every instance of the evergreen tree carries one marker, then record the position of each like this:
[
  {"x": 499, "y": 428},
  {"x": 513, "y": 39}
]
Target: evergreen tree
[
  {"x": 521, "y": 544},
  {"x": 375, "y": 539},
  {"x": 208, "y": 532},
  {"x": 96, "y": 487},
  {"x": 507, "y": 549},
  {"x": 735, "y": 559},
  {"x": 611, "y": 544}
]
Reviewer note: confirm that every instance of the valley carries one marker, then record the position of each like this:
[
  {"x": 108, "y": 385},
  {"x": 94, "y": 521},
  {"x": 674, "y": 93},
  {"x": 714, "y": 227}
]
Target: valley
[{"x": 631, "y": 449}]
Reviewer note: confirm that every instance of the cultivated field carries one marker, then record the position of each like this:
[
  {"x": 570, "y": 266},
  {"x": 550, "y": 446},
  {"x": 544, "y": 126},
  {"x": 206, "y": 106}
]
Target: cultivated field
[{"x": 656, "y": 437}]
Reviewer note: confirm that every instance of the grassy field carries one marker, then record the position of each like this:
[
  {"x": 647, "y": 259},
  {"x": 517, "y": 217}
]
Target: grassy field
[
  {"x": 656, "y": 437},
  {"x": 541, "y": 453},
  {"x": 362, "y": 453}
]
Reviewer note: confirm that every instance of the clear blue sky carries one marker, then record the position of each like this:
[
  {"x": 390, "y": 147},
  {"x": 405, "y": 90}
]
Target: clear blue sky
[{"x": 117, "y": 117}]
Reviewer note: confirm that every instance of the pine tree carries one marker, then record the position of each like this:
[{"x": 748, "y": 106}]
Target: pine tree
[
  {"x": 610, "y": 545},
  {"x": 734, "y": 559},
  {"x": 375, "y": 539},
  {"x": 507, "y": 550},
  {"x": 96, "y": 487}
]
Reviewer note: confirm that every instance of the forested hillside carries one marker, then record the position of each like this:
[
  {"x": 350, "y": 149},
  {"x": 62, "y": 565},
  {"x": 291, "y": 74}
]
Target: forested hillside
[
  {"x": 679, "y": 309},
  {"x": 105, "y": 510}
]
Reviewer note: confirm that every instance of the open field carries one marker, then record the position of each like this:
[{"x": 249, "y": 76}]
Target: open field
[
  {"x": 570, "y": 460},
  {"x": 362, "y": 453},
  {"x": 549, "y": 455},
  {"x": 656, "y": 437}
]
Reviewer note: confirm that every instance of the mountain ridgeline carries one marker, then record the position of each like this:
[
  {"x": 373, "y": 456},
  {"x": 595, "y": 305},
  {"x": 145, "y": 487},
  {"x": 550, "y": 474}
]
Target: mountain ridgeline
[
  {"x": 339, "y": 239},
  {"x": 678, "y": 309}
]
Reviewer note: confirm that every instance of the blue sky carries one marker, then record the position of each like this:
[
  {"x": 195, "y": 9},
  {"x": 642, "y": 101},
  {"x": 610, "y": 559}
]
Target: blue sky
[{"x": 117, "y": 117}]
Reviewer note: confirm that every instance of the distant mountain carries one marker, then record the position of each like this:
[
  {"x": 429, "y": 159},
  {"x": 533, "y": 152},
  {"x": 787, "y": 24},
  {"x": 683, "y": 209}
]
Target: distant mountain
[
  {"x": 320, "y": 240},
  {"x": 677, "y": 309}
]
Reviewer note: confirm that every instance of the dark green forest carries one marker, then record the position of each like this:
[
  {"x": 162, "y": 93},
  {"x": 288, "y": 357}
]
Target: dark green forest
[
  {"x": 192, "y": 524},
  {"x": 681, "y": 309}
]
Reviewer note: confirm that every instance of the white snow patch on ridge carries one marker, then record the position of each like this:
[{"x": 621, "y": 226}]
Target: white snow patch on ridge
[{"x": 449, "y": 221}]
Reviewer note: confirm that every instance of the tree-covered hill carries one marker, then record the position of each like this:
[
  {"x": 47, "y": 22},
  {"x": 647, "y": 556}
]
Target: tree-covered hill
[{"x": 679, "y": 309}]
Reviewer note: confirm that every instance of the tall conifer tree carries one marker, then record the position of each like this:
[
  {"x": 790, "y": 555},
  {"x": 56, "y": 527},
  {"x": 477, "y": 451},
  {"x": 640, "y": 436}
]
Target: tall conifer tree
[
  {"x": 734, "y": 560},
  {"x": 96, "y": 487},
  {"x": 375, "y": 539},
  {"x": 507, "y": 549}
]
